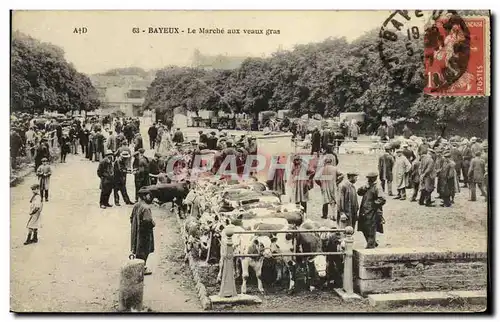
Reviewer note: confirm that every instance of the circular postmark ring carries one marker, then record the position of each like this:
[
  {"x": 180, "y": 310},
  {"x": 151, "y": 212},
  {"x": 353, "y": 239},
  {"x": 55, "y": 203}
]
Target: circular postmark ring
[{"x": 444, "y": 51}]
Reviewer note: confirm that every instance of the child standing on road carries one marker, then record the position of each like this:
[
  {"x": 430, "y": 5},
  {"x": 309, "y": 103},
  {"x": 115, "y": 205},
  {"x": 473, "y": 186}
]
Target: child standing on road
[
  {"x": 44, "y": 172},
  {"x": 35, "y": 212}
]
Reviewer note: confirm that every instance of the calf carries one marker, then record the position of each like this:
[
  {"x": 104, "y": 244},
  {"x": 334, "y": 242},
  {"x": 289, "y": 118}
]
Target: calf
[{"x": 171, "y": 192}]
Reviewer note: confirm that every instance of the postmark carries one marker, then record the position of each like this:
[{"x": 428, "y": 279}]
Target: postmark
[
  {"x": 430, "y": 51},
  {"x": 457, "y": 57}
]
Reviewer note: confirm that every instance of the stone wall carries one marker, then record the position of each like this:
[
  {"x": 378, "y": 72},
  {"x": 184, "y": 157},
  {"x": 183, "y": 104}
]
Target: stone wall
[{"x": 389, "y": 270}]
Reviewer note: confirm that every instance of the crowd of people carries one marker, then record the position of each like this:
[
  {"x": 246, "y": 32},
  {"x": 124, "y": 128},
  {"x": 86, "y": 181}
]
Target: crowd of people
[{"x": 408, "y": 163}]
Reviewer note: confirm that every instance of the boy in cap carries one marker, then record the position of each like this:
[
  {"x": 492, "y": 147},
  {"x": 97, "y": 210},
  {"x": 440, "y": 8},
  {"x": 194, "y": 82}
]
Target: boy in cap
[
  {"x": 370, "y": 212},
  {"x": 36, "y": 207},
  {"x": 44, "y": 172}
]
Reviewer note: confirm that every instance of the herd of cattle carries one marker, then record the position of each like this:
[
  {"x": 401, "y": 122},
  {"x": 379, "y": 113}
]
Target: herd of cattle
[{"x": 209, "y": 207}]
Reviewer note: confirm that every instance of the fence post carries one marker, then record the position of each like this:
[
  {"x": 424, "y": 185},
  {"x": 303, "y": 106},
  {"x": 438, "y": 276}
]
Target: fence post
[
  {"x": 228, "y": 293},
  {"x": 347, "y": 291},
  {"x": 228, "y": 285}
]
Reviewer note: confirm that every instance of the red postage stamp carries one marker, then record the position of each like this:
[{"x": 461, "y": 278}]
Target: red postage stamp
[{"x": 457, "y": 57}]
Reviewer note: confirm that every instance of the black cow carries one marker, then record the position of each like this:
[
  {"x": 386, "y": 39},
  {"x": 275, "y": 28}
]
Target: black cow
[{"x": 169, "y": 192}]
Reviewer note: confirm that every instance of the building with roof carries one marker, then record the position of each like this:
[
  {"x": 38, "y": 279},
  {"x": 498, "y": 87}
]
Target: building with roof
[{"x": 125, "y": 93}]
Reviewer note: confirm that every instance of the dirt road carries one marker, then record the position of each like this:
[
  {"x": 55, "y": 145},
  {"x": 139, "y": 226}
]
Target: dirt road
[{"x": 75, "y": 266}]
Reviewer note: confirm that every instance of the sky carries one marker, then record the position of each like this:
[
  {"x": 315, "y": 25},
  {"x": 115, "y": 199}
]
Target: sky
[{"x": 110, "y": 42}]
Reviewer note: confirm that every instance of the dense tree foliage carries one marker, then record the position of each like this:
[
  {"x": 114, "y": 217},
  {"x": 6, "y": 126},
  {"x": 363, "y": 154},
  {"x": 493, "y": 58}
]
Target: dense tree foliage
[
  {"x": 327, "y": 78},
  {"x": 41, "y": 79}
]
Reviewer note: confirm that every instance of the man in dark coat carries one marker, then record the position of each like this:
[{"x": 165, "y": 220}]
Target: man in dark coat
[
  {"x": 141, "y": 171},
  {"x": 407, "y": 132},
  {"x": 446, "y": 180},
  {"x": 370, "y": 212},
  {"x": 456, "y": 156},
  {"x": 347, "y": 214},
  {"x": 477, "y": 176},
  {"x": 178, "y": 136},
  {"x": 427, "y": 178},
  {"x": 415, "y": 178},
  {"x": 141, "y": 232},
  {"x": 99, "y": 145},
  {"x": 15, "y": 147},
  {"x": 42, "y": 151},
  {"x": 385, "y": 165},
  {"x": 315, "y": 141},
  {"x": 105, "y": 173},
  {"x": 212, "y": 141},
  {"x": 326, "y": 138},
  {"x": 466, "y": 159},
  {"x": 203, "y": 137},
  {"x": 408, "y": 153},
  {"x": 120, "y": 171},
  {"x": 138, "y": 142},
  {"x": 84, "y": 140},
  {"x": 156, "y": 165},
  {"x": 128, "y": 131},
  {"x": 423, "y": 148},
  {"x": 152, "y": 132},
  {"x": 390, "y": 131}
]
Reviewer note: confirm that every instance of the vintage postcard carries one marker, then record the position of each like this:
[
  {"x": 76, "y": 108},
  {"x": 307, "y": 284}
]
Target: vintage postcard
[{"x": 249, "y": 161}]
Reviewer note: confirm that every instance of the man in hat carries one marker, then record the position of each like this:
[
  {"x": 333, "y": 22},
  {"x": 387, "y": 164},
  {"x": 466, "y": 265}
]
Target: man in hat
[
  {"x": 125, "y": 148},
  {"x": 347, "y": 214},
  {"x": 15, "y": 146},
  {"x": 407, "y": 132},
  {"x": 446, "y": 180},
  {"x": 354, "y": 130},
  {"x": 407, "y": 152},
  {"x": 382, "y": 132},
  {"x": 65, "y": 147},
  {"x": 42, "y": 151},
  {"x": 105, "y": 173},
  {"x": 178, "y": 136},
  {"x": 402, "y": 169},
  {"x": 84, "y": 141},
  {"x": 415, "y": 178},
  {"x": 99, "y": 144},
  {"x": 315, "y": 141},
  {"x": 120, "y": 171},
  {"x": 203, "y": 137},
  {"x": 327, "y": 177},
  {"x": 427, "y": 177},
  {"x": 44, "y": 172},
  {"x": 212, "y": 141},
  {"x": 475, "y": 146},
  {"x": 36, "y": 206},
  {"x": 423, "y": 148},
  {"x": 456, "y": 157},
  {"x": 152, "y": 132},
  {"x": 476, "y": 176},
  {"x": 370, "y": 212},
  {"x": 194, "y": 155},
  {"x": 141, "y": 171},
  {"x": 385, "y": 165},
  {"x": 111, "y": 143},
  {"x": 138, "y": 144},
  {"x": 142, "y": 224},
  {"x": 156, "y": 165}
]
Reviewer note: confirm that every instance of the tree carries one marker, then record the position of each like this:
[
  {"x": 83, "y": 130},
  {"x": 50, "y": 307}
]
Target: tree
[{"x": 41, "y": 79}]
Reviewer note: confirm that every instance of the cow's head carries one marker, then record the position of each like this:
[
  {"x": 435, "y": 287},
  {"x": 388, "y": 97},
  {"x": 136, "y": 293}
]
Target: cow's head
[
  {"x": 204, "y": 241},
  {"x": 263, "y": 244},
  {"x": 320, "y": 264}
]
